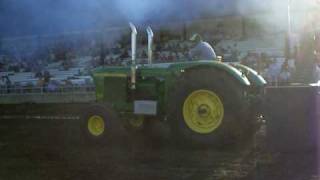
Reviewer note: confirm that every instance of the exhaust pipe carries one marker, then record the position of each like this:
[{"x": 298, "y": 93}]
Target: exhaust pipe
[
  {"x": 150, "y": 42},
  {"x": 133, "y": 54}
]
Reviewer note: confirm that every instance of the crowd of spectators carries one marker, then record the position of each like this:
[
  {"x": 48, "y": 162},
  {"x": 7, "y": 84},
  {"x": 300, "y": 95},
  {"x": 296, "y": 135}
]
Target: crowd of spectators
[
  {"x": 276, "y": 70},
  {"x": 66, "y": 52},
  {"x": 36, "y": 65}
]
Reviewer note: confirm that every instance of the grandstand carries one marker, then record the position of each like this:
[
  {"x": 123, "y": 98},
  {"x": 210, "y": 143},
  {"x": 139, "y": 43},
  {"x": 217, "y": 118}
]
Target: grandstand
[
  {"x": 65, "y": 61},
  {"x": 268, "y": 44}
]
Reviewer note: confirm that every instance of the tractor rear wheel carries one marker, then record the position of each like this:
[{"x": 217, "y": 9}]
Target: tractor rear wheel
[{"x": 207, "y": 108}]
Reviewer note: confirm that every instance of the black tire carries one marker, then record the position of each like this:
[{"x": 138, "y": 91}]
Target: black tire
[
  {"x": 77, "y": 140},
  {"x": 233, "y": 127},
  {"x": 111, "y": 126},
  {"x": 256, "y": 108},
  {"x": 134, "y": 124},
  {"x": 141, "y": 133}
]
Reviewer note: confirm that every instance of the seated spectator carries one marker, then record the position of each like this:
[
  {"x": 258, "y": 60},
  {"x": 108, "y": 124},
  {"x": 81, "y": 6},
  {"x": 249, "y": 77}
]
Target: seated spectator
[
  {"x": 38, "y": 74},
  {"x": 273, "y": 73},
  {"x": 143, "y": 54},
  {"x": 52, "y": 86},
  {"x": 157, "y": 57},
  {"x": 2, "y": 82},
  {"x": 124, "y": 54},
  {"x": 40, "y": 82},
  {"x": 158, "y": 47},
  {"x": 285, "y": 74},
  {"x": 46, "y": 77},
  {"x": 291, "y": 65},
  {"x": 116, "y": 49},
  {"x": 170, "y": 57},
  {"x": 234, "y": 53},
  {"x": 8, "y": 83},
  {"x": 163, "y": 57},
  {"x": 180, "y": 56}
]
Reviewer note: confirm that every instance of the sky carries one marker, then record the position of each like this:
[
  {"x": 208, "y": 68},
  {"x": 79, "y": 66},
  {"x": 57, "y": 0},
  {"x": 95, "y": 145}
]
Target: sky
[{"x": 34, "y": 17}]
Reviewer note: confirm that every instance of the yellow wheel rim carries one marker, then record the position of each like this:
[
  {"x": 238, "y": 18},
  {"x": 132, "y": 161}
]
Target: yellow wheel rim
[
  {"x": 96, "y": 125},
  {"x": 203, "y": 111},
  {"x": 136, "y": 122}
]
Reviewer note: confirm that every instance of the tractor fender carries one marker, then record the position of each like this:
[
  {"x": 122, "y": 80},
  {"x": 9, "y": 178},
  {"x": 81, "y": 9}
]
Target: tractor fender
[
  {"x": 232, "y": 71},
  {"x": 254, "y": 78}
]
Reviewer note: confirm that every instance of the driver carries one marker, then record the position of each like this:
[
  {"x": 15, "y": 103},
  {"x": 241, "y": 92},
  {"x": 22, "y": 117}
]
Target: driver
[{"x": 202, "y": 50}]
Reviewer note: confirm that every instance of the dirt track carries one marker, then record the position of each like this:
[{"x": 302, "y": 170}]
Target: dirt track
[{"x": 33, "y": 150}]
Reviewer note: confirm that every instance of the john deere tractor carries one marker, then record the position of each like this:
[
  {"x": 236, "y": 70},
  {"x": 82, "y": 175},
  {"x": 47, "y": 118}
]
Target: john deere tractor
[{"x": 204, "y": 102}]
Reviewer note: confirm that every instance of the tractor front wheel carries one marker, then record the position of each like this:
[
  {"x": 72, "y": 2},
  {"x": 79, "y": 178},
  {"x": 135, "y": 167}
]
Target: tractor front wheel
[{"x": 99, "y": 124}]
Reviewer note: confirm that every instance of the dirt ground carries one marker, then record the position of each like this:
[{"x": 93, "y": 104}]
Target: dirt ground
[{"x": 33, "y": 149}]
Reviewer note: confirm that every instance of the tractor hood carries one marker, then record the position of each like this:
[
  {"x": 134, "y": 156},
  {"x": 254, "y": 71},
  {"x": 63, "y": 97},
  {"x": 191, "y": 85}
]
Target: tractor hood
[{"x": 164, "y": 69}]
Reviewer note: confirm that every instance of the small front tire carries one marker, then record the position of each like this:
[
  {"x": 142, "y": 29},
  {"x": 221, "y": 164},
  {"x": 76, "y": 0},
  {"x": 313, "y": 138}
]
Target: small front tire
[{"x": 99, "y": 124}]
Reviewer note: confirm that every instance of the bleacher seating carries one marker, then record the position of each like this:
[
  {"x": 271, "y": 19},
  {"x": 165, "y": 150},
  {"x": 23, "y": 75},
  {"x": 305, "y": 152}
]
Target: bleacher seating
[
  {"x": 2, "y": 74},
  {"x": 22, "y": 78},
  {"x": 77, "y": 72},
  {"x": 268, "y": 45}
]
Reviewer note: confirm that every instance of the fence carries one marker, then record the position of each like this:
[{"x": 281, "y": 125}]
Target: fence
[
  {"x": 5, "y": 90},
  {"x": 44, "y": 95}
]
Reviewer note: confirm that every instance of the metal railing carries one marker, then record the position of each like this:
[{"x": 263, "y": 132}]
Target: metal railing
[{"x": 7, "y": 90}]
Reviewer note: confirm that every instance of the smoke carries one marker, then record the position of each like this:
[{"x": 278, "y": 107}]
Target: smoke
[
  {"x": 142, "y": 11},
  {"x": 270, "y": 15},
  {"x": 41, "y": 17},
  {"x": 145, "y": 10},
  {"x": 27, "y": 17},
  {"x": 274, "y": 13}
]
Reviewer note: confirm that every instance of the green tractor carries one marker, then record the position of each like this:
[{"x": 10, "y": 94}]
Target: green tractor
[{"x": 204, "y": 102}]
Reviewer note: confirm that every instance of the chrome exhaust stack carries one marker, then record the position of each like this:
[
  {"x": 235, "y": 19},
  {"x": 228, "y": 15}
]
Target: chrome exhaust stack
[
  {"x": 133, "y": 55},
  {"x": 150, "y": 43}
]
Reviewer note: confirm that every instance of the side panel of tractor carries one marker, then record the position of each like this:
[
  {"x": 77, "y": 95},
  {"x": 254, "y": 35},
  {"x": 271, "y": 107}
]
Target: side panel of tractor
[
  {"x": 157, "y": 81},
  {"x": 112, "y": 87}
]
